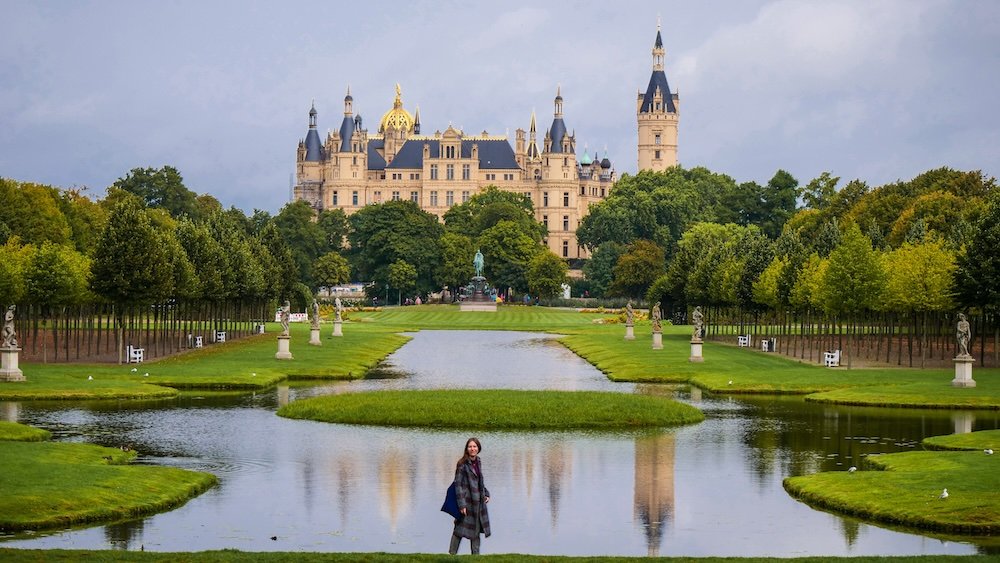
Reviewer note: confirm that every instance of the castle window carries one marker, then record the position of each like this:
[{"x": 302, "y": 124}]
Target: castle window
[
  {"x": 395, "y": 195},
  {"x": 565, "y": 199},
  {"x": 354, "y": 198},
  {"x": 355, "y": 161},
  {"x": 545, "y": 221},
  {"x": 397, "y": 176},
  {"x": 449, "y": 152},
  {"x": 491, "y": 177},
  {"x": 508, "y": 177},
  {"x": 602, "y": 192},
  {"x": 565, "y": 222},
  {"x": 565, "y": 249},
  {"x": 415, "y": 197},
  {"x": 449, "y": 198},
  {"x": 583, "y": 190},
  {"x": 527, "y": 195},
  {"x": 434, "y": 198},
  {"x": 545, "y": 199},
  {"x": 434, "y": 171},
  {"x": 656, "y": 139},
  {"x": 466, "y": 172},
  {"x": 378, "y": 197},
  {"x": 465, "y": 196},
  {"x": 414, "y": 175},
  {"x": 656, "y": 155},
  {"x": 565, "y": 161},
  {"x": 450, "y": 171},
  {"x": 335, "y": 198}
]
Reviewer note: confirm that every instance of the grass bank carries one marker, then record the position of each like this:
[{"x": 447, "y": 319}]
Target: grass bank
[
  {"x": 229, "y": 556},
  {"x": 495, "y": 409},
  {"x": 52, "y": 485},
  {"x": 14, "y": 432},
  {"x": 905, "y": 488}
]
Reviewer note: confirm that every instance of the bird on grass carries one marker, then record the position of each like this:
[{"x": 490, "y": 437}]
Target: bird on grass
[
  {"x": 988, "y": 451},
  {"x": 944, "y": 494},
  {"x": 135, "y": 370},
  {"x": 146, "y": 374},
  {"x": 730, "y": 381},
  {"x": 852, "y": 469},
  {"x": 90, "y": 378}
]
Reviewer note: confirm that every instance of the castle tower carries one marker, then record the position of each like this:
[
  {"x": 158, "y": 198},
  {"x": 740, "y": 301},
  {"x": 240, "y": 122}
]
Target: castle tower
[{"x": 657, "y": 113}]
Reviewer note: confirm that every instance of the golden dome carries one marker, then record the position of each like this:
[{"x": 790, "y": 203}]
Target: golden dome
[{"x": 397, "y": 117}]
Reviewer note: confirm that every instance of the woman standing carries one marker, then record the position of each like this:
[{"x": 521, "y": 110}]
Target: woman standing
[{"x": 470, "y": 488}]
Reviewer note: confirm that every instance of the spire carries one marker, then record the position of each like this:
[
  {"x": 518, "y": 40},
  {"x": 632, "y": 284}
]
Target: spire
[
  {"x": 558, "y": 128},
  {"x": 658, "y": 52},
  {"x": 348, "y": 103},
  {"x": 416, "y": 122},
  {"x": 558, "y": 103},
  {"x": 533, "y": 151},
  {"x": 312, "y": 115},
  {"x": 314, "y": 149}
]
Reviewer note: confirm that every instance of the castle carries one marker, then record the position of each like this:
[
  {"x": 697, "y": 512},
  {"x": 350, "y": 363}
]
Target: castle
[{"x": 353, "y": 168}]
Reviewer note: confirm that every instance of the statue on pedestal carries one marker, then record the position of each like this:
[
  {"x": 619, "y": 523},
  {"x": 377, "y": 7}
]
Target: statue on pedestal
[
  {"x": 478, "y": 263},
  {"x": 286, "y": 316},
  {"x": 963, "y": 333},
  {"x": 699, "y": 323},
  {"x": 656, "y": 317},
  {"x": 629, "y": 314},
  {"x": 9, "y": 336},
  {"x": 315, "y": 314},
  {"x": 338, "y": 315}
]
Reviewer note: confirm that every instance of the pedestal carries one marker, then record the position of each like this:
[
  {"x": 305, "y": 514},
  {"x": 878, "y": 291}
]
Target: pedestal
[
  {"x": 657, "y": 341},
  {"x": 963, "y": 372},
  {"x": 8, "y": 365},
  {"x": 629, "y": 333},
  {"x": 337, "y": 329},
  {"x": 696, "y": 351},
  {"x": 314, "y": 337},
  {"x": 283, "y": 348}
]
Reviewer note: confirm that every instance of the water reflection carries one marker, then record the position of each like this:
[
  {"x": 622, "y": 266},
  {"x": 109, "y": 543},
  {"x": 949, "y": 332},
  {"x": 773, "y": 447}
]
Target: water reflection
[{"x": 322, "y": 487}]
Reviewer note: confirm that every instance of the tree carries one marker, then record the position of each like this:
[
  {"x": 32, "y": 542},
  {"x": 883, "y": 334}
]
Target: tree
[
  {"x": 599, "y": 270},
  {"x": 32, "y": 212},
  {"x": 455, "y": 268},
  {"x": 284, "y": 273},
  {"x": 637, "y": 268},
  {"x": 546, "y": 274},
  {"x": 487, "y": 208},
  {"x": 854, "y": 279},
  {"x": 333, "y": 223},
  {"x": 162, "y": 188},
  {"x": 819, "y": 192},
  {"x": 207, "y": 258},
  {"x": 55, "y": 276},
  {"x": 403, "y": 277},
  {"x": 86, "y": 218},
  {"x": 978, "y": 277},
  {"x": 508, "y": 250},
  {"x": 919, "y": 277},
  {"x": 778, "y": 202},
  {"x": 395, "y": 230},
  {"x": 331, "y": 269},
  {"x": 130, "y": 265},
  {"x": 305, "y": 237},
  {"x": 12, "y": 263}
]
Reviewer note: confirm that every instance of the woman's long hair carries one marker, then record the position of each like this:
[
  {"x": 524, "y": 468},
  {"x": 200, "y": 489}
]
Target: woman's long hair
[{"x": 465, "y": 451}]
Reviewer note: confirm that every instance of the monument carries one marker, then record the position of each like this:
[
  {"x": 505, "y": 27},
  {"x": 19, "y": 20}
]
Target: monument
[
  {"x": 9, "y": 349},
  {"x": 478, "y": 300},
  {"x": 629, "y": 321},
  {"x": 699, "y": 330},
  {"x": 314, "y": 330},
  {"x": 338, "y": 317},
  {"x": 963, "y": 360},
  {"x": 657, "y": 328},
  {"x": 284, "y": 339}
]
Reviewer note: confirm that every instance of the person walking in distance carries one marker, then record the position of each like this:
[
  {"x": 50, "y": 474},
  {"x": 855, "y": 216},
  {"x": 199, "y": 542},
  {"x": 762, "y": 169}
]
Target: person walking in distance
[{"x": 472, "y": 495}]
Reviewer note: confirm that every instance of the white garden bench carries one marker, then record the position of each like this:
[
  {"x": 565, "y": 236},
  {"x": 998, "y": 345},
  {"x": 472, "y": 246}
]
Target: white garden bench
[
  {"x": 220, "y": 336},
  {"x": 198, "y": 340},
  {"x": 831, "y": 358},
  {"x": 134, "y": 355},
  {"x": 768, "y": 345},
  {"x": 743, "y": 341}
]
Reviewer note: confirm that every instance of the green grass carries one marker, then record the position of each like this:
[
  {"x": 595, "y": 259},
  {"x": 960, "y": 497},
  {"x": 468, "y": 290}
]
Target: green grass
[
  {"x": 931, "y": 390},
  {"x": 904, "y": 488},
  {"x": 968, "y": 441},
  {"x": 495, "y": 409},
  {"x": 52, "y": 485},
  {"x": 14, "y": 432},
  {"x": 233, "y": 556}
]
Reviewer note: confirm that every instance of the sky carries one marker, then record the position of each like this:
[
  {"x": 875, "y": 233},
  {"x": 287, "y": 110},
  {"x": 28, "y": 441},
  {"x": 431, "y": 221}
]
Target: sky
[{"x": 874, "y": 90}]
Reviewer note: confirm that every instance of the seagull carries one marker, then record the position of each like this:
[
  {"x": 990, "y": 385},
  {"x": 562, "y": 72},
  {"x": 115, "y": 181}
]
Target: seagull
[
  {"x": 135, "y": 370},
  {"x": 90, "y": 378},
  {"x": 852, "y": 469},
  {"x": 255, "y": 375},
  {"x": 944, "y": 494},
  {"x": 730, "y": 381},
  {"x": 146, "y": 374},
  {"x": 274, "y": 538},
  {"x": 988, "y": 451}
]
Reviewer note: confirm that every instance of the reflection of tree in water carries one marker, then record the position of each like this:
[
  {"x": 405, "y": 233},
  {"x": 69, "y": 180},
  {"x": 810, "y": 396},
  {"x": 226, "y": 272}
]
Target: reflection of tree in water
[
  {"x": 396, "y": 483},
  {"x": 556, "y": 468},
  {"x": 654, "y": 487},
  {"x": 851, "y": 529},
  {"x": 122, "y": 535}
]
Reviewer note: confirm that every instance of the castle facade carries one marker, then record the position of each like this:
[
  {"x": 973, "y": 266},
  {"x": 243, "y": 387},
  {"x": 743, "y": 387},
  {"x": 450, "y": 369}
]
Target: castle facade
[{"x": 352, "y": 168}]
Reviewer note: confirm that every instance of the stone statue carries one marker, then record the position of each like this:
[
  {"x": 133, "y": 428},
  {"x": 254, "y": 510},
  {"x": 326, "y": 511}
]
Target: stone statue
[
  {"x": 339, "y": 310},
  {"x": 286, "y": 316},
  {"x": 478, "y": 263},
  {"x": 699, "y": 323},
  {"x": 629, "y": 314},
  {"x": 315, "y": 314},
  {"x": 656, "y": 317},
  {"x": 9, "y": 336},
  {"x": 964, "y": 335}
]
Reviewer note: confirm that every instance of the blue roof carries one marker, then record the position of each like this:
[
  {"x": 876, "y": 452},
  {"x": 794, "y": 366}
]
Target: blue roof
[
  {"x": 375, "y": 160},
  {"x": 557, "y": 132},
  {"x": 346, "y": 132},
  {"x": 658, "y": 79},
  {"x": 493, "y": 154},
  {"x": 314, "y": 149}
]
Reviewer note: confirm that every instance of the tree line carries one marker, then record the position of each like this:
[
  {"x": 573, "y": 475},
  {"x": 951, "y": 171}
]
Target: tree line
[{"x": 871, "y": 271}]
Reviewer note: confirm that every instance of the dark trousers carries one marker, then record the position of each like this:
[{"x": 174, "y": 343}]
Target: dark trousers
[{"x": 455, "y": 540}]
